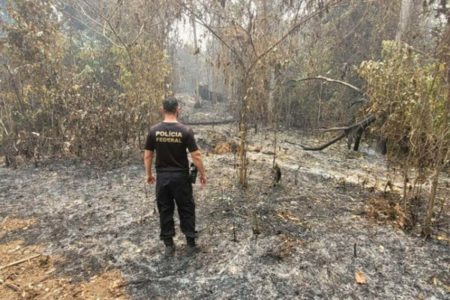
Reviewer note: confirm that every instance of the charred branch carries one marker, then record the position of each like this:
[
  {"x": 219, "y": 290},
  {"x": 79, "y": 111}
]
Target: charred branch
[
  {"x": 357, "y": 128},
  {"x": 360, "y": 101},
  {"x": 362, "y": 124},
  {"x": 321, "y": 147},
  {"x": 326, "y": 145}
]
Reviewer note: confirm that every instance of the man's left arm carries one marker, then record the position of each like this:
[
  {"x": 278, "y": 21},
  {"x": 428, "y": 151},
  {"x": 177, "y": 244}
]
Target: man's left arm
[{"x": 196, "y": 156}]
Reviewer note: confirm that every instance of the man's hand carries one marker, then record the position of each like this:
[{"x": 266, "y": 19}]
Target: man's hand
[
  {"x": 197, "y": 160},
  {"x": 203, "y": 180},
  {"x": 151, "y": 179},
  {"x": 148, "y": 158}
]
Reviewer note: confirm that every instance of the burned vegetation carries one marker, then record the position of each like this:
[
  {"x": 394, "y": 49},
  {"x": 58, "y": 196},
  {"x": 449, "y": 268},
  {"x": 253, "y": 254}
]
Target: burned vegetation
[{"x": 324, "y": 127}]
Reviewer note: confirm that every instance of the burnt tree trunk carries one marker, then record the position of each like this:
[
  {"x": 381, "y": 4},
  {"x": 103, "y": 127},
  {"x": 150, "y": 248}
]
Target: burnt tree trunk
[
  {"x": 243, "y": 135},
  {"x": 381, "y": 145}
]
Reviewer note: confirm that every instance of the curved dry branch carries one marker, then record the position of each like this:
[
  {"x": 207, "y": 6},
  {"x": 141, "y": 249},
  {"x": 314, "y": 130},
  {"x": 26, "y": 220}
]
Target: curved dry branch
[
  {"x": 326, "y": 145},
  {"x": 349, "y": 85},
  {"x": 362, "y": 125},
  {"x": 321, "y": 147}
]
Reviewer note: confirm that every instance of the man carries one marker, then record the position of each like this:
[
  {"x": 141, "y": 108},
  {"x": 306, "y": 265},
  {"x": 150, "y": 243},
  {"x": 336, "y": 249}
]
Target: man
[{"x": 170, "y": 139}]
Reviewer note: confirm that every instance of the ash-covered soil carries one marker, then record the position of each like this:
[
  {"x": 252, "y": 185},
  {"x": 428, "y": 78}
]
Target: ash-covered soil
[{"x": 305, "y": 238}]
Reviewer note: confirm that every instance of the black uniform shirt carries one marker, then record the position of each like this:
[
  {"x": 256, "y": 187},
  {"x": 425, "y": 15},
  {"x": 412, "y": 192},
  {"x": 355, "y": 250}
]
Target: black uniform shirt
[{"x": 170, "y": 141}]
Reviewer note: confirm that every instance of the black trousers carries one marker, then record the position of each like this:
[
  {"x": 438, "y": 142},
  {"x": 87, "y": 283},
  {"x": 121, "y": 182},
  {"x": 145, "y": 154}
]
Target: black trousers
[{"x": 171, "y": 188}]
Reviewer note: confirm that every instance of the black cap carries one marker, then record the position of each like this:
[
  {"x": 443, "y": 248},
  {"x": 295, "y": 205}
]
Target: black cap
[{"x": 170, "y": 104}]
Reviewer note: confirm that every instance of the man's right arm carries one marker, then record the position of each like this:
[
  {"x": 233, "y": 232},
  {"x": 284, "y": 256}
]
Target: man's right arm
[
  {"x": 148, "y": 157},
  {"x": 197, "y": 160}
]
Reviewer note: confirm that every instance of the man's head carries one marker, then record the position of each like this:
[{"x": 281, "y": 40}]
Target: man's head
[{"x": 170, "y": 105}]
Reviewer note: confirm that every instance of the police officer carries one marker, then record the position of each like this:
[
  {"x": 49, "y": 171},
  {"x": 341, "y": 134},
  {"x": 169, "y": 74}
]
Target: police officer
[{"x": 169, "y": 140}]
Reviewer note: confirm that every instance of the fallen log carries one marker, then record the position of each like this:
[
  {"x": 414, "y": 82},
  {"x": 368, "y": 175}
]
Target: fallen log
[{"x": 222, "y": 122}]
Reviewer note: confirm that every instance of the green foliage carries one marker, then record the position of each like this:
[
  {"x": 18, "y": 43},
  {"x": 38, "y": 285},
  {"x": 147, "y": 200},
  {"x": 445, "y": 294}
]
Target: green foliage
[
  {"x": 32, "y": 53},
  {"x": 67, "y": 94},
  {"x": 408, "y": 94}
]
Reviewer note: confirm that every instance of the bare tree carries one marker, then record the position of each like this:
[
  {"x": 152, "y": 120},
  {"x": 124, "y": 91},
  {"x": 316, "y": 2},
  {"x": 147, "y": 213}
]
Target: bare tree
[{"x": 253, "y": 42}]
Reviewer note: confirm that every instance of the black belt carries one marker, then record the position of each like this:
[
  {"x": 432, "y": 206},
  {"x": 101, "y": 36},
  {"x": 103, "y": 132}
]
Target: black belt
[{"x": 183, "y": 171}]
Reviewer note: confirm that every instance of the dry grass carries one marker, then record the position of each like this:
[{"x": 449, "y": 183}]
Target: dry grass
[
  {"x": 386, "y": 211},
  {"x": 37, "y": 279}
]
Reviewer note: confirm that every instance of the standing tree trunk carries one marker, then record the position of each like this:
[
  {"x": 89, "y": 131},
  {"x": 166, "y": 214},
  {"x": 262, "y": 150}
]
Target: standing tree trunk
[
  {"x": 243, "y": 134},
  {"x": 198, "y": 100},
  {"x": 405, "y": 187},
  {"x": 434, "y": 183},
  {"x": 405, "y": 18}
]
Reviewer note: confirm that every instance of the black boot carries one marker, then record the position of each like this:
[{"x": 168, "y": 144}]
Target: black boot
[
  {"x": 190, "y": 241},
  {"x": 170, "y": 248},
  {"x": 192, "y": 248}
]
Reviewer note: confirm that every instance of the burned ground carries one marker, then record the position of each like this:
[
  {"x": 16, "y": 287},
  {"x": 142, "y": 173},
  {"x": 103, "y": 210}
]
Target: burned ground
[{"x": 305, "y": 238}]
